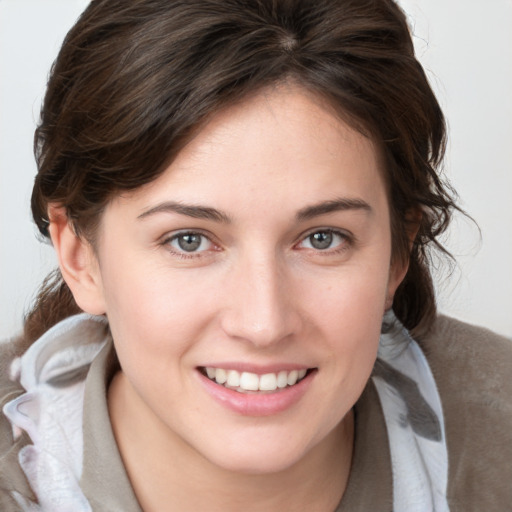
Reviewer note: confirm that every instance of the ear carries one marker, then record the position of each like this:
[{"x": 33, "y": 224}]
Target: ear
[
  {"x": 398, "y": 269},
  {"x": 397, "y": 272},
  {"x": 413, "y": 219},
  {"x": 77, "y": 261}
]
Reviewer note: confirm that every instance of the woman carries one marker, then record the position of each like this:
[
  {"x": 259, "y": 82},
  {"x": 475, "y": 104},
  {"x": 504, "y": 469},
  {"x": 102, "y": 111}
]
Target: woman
[{"x": 242, "y": 197}]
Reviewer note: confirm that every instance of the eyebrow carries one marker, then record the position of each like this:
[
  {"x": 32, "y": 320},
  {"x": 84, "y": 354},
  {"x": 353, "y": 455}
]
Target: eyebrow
[
  {"x": 335, "y": 205},
  {"x": 197, "y": 212},
  {"x": 208, "y": 213}
]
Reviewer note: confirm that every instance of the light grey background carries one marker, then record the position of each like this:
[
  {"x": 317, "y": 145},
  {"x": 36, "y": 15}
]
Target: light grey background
[{"x": 466, "y": 47}]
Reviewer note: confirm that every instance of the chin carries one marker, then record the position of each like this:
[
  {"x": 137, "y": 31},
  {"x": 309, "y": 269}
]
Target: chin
[
  {"x": 266, "y": 455},
  {"x": 256, "y": 464}
]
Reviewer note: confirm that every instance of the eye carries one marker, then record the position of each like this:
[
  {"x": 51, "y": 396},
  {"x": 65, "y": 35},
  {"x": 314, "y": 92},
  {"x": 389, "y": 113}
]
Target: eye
[
  {"x": 189, "y": 242},
  {"x": 324, "y": 239}
]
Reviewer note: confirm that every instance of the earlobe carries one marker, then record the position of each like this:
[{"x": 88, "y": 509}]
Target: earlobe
[{"x": 77, "y": 261}]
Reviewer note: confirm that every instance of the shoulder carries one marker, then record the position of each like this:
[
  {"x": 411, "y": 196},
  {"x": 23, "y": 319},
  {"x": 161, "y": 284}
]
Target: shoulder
[
  {"x": 470, "y": 360},
  {"x": 12, "y": 478},
  {"x": 9, "y": 389},
  {"x": 472, "y": 367}
]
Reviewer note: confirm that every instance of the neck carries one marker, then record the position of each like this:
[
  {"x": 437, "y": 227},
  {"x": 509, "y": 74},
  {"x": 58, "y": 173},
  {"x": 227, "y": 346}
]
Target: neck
[{"x": 166, "y": 472}]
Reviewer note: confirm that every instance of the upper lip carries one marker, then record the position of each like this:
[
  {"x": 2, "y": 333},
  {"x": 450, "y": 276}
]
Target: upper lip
[{"x": 257, "y": 369}]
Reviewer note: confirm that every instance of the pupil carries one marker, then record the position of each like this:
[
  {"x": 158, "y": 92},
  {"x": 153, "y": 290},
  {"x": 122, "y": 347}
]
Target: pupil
[
  {"x": 321, "y": 240},
  {"x": 189, "y": 242}
]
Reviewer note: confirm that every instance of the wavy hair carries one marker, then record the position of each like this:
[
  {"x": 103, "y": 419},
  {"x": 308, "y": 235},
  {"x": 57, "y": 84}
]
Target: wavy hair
[{"x": 133, "y": 80}]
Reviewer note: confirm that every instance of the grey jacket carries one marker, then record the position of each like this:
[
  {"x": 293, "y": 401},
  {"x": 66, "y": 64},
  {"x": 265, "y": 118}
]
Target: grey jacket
[{"x": 473, "y": 372}]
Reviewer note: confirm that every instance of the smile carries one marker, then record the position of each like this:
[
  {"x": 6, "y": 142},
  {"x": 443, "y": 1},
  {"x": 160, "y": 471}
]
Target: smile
[{"x": 247, "y": 382}]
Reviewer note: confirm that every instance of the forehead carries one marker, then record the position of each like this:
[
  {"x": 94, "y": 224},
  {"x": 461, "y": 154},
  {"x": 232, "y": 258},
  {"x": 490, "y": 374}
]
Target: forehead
[{"x": 282, "y": 146}]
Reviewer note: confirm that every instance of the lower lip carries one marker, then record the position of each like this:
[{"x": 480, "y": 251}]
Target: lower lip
[{"x": 255, "y": 404}]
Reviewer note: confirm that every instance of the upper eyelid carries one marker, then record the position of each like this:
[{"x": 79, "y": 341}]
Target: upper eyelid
[
  {"x": 337, "y": 231},
  {"x": 172, "y": 235},
  {"x": 166, "y": 238},
  {"x": 348, "y": 239}
]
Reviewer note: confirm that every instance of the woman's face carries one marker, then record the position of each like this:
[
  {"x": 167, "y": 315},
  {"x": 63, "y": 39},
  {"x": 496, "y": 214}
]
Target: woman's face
[{"x": 261, "y": 256}]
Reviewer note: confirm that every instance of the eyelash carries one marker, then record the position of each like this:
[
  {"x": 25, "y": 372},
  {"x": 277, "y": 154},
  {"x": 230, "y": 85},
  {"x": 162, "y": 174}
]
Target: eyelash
[
  {"x": 346, "y": 242},
  {"x": 182, "y": 253}
]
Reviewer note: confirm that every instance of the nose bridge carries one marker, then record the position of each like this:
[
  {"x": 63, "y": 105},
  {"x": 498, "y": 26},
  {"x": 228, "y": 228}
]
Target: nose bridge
[{"x": 261, "y": 305}]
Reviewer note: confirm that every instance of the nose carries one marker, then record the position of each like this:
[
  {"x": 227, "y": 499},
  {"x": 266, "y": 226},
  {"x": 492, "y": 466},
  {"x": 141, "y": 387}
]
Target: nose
[{"x": 261, "y": 305}]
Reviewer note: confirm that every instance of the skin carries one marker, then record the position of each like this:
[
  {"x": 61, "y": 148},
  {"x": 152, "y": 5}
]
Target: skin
[{"x": 256, "y": 292}]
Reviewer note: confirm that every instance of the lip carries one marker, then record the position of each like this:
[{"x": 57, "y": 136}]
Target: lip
[
  {"x": 257, "y": 369},
  {"x": 257, "y": 404}
]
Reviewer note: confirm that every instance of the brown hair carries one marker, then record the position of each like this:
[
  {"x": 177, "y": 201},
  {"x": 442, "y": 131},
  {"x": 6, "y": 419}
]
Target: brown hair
[{"x": 134, "y": 79}]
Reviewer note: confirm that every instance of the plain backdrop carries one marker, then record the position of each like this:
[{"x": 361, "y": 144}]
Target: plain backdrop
[{"x": 466, "y": 48}]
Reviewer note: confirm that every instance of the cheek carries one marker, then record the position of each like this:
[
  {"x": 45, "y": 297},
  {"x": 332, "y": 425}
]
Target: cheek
[
  {"x": 353, "y": 296},
  {"x": 153, "y": 307},
  {"x": 349, "y": 314},
  {"x": 153, "y": 326}
]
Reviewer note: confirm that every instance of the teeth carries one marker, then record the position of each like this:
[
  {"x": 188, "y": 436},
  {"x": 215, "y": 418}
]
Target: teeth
[
  {"x": 247, "y": 381},
  {"x": 233, "y": 379},
  {"x": 292, "y": 377},
  {"x": 282, "y": 379},
  {"x": 220, "y": 376},
  {"x": 268, "y": 382}
]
